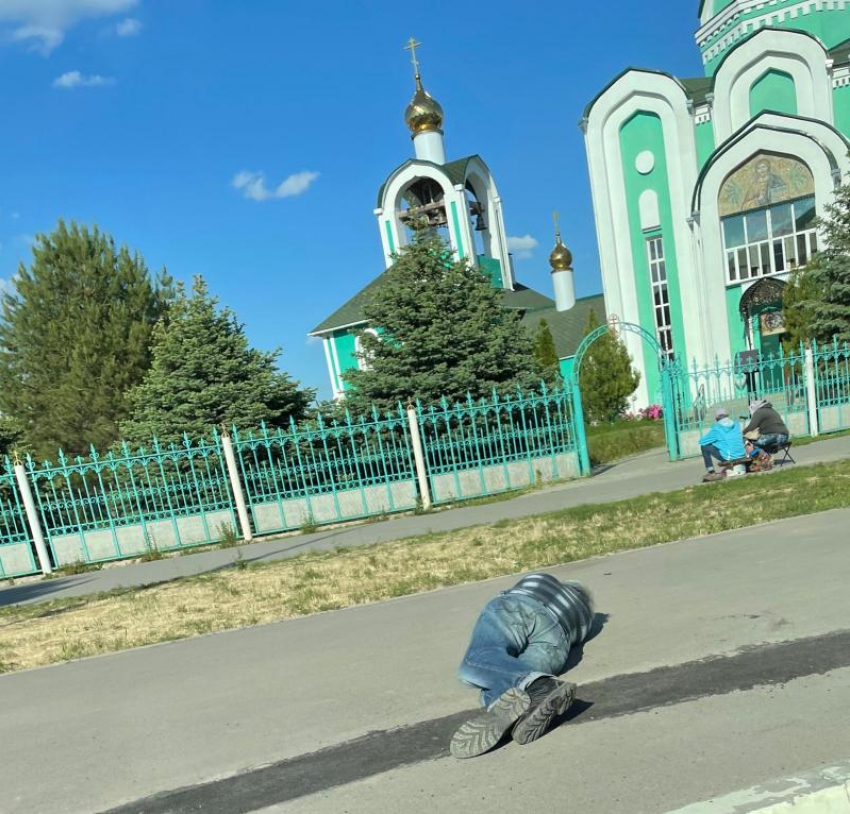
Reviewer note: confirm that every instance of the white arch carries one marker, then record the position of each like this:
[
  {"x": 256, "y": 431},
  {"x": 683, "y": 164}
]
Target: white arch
[
  {"x": 813, "y": 143},
  {"x": 396, "y": 186},
  {"x": 479, "y": 177},
  {"x": 791, "y": 52},
  {"x": 642, "y": 91}
]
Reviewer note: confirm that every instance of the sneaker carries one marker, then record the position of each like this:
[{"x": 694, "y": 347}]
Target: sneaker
[
  {"x": 549, "y": 697},
  {"x": 484, "y": 731},
  {"x": 713, "y": 476}
]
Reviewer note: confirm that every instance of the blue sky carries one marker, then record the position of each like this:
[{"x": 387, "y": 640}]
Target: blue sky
[{"x": 139, "y": 115}]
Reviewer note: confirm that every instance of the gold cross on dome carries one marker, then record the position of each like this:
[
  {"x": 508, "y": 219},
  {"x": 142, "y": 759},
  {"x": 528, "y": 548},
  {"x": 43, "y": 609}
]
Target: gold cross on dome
[
  {"x": 411, "y": 46},
  {"x": 555, "y": 217}
]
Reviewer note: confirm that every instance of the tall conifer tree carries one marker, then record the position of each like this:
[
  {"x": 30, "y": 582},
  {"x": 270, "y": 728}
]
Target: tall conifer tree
[
  {"x": 830, "y": 272},
  {"x": 545, "y": 354},
  {"x": 204, "y": 373},
  {"x": 444, "y": 332},
  {"x": 74, "y": 338},
  {"x": 607, "y": 378}
]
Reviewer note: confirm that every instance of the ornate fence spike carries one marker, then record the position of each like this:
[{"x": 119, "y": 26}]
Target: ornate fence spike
[
  {"x": 93, "y": 453},
  {"x": 187, "y": 442}
]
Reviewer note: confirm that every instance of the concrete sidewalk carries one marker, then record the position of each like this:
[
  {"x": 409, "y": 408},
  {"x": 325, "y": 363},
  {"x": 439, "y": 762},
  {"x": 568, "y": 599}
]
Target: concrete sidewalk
[
  {"x": 102, "y": 732},
  {"x": 644, "y": 474}
]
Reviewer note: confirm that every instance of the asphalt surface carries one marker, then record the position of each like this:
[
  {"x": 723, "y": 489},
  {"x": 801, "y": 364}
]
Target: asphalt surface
[
  {"x": 641, "y": 475},
  {"x": 720, "y": 663}
]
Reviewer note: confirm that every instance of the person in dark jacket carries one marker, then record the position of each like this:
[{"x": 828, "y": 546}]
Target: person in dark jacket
[
  {"x": 519, "y": 644},
  {"x": 766, "y": 429}
]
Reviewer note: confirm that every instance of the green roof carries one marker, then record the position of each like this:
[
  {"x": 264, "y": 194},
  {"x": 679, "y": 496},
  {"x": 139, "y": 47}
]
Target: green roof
[
  {"x": 456, "y": 171},
  {"x": 568, "y": 327},
  {"x": 697, "y": 89}
]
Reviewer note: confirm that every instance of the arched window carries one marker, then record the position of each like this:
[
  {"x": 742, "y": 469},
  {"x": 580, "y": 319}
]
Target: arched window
[
  {"x": 767, "y": 209},
  {"x": 362, "y": 361}
]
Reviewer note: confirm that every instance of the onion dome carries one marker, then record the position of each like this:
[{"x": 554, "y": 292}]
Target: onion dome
[
  {"x": 561, "y": 258},
  {"x": 424, "y": 113}
]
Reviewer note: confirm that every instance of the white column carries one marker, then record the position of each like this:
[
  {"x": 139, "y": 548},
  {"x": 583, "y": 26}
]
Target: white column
[
  {"x": 419, "y": 457},
  {"x": 236, "y": 486},
  {"x": 33, "y": 518},
  {"x": 811, "y": 393}
]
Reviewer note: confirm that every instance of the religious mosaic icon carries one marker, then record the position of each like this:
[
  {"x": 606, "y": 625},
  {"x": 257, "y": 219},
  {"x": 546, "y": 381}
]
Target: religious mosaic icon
[{"x": 765, "y": 180}]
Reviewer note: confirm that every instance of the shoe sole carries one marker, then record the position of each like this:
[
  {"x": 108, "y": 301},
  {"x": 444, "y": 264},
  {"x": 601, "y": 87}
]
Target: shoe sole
[
  {"x": 483, "y": 732},
  {"x": 533, "y": 725}
]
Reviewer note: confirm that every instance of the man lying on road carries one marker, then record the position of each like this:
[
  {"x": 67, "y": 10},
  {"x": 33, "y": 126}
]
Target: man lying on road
[{"x": 519, "y": 644}]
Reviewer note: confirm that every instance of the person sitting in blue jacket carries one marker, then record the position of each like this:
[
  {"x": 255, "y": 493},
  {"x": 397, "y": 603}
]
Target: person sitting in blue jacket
[{"x": 724, "y": 441}]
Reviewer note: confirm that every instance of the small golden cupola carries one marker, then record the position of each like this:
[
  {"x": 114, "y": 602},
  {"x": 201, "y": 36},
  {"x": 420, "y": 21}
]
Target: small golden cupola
[
  {"x": 561, "y": 261},
  {"x": 424, "y": 116}
]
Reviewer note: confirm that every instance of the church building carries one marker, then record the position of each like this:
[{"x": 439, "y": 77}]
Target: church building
[
  {"x": 705, "y": 190},
  {"x": 461, "y": 201}
]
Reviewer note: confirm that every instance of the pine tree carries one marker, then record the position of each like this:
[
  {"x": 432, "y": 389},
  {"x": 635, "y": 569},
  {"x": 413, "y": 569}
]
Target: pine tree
[
  {"x": 444, "y": 332},
  {"x": 74, "y": 338},
  {"x": 830, "y": 272},
  {"x": 798, "y": 311},
  {"x": 545, "y": 355},
  {"x": 204, "y": 373},
  {"x": 607, "y": 378}
]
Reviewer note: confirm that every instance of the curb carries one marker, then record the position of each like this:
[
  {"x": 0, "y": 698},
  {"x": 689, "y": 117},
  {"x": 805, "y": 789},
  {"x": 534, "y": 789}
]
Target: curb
[{"x": 822, "y": 791}]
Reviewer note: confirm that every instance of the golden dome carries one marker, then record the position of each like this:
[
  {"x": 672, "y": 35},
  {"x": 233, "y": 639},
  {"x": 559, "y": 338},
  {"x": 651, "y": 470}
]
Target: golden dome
[
  {"x": 423, "y": 114},
  {"x": 561, "y": 258}
]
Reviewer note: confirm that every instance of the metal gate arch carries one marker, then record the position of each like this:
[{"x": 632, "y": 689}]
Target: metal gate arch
[{"x": 670, "y": 372}]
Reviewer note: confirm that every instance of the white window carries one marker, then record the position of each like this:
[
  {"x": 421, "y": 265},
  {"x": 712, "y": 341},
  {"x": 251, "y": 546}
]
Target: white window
[
  {"x": 660, "y": 293},
  {"x": 362, "y": 362},
  {"x": 769, "y": 241}
]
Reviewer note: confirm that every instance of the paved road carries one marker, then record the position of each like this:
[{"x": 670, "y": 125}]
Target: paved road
[
  {"x": 637, "y": 476},
  {"x": 722, "y": 662}
]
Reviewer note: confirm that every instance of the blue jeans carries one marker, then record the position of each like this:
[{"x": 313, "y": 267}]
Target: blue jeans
[
  {"x": 710, "y": 451},
  {"x": 515, "y": 641},
  {"x": 770, "y": 441}
]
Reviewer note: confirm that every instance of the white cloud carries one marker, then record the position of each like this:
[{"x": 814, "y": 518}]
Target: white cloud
[
  {"x": 522, "y": 247},
  {"x": 129, "y": 28},
  {"x": 253, "y": 185},
  {"x": 75, "y": 79},
  {"x": 42, "y": 23}
]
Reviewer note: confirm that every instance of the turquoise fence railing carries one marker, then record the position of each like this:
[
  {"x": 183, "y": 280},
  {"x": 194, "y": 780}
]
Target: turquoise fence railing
[
  {"x": 832, "y": 382},
  {"x": 106, "y": 507},
  {"x": 327, "y": 472},
  {"x": 16, "y": 547},
  {"x": 495, "y": 445}
]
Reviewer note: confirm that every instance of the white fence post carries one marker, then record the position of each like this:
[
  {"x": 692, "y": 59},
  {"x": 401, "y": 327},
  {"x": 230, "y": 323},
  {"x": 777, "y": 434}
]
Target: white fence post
[
  {"x": 811, "y": 392},
  {"x": 32, "y": 517},
  {"x": 236, "y": 485},
  {"x": 419, "y": 457}
]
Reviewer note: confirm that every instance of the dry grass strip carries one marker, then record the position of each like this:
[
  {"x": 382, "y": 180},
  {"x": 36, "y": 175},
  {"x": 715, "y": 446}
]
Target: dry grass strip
[{"x": 257, "y": 594}]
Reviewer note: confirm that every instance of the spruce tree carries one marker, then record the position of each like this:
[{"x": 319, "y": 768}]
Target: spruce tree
[
  {"x": 74, "y": 338},
  {"x": 545, "y": 355},
  {"x": 830, "y": 272},
  {"x": 607, "y": 378},
  {"x": 444, "y": 332},
  {"x": 798, "y": 311},
  {"x": 204, "y": 373}
]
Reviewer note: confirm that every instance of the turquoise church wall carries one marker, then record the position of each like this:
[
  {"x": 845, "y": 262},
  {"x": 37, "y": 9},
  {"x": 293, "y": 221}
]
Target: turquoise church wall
[
  {"x": 705, "y": 142},
  {"x": 841, "y": 98},
  {"x": 644, "y": 131},
  {"x": 830, "y": 26},
  {"x": 774, "y": 91},
  {"x": 343, "y": 341},
  {"x": 567, "y": 366}
]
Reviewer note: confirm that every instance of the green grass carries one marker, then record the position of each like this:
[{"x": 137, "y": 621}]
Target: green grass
[
  {"x": 609, "y": 442},
  {"x": 265, "y": 592}
]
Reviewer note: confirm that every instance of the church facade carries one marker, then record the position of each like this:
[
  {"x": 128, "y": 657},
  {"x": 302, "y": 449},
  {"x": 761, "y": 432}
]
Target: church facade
[{"x": 705, "y": 190}]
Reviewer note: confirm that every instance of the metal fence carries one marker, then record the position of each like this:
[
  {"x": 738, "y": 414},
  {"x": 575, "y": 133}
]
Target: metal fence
[
  {"x": 16, "y": 551},
  {"x": 327, "y": 472},
  {"x": 133, "y": 503},
  {"x": 494, "y": 445},
  {"x": 782, "y": 379}
]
